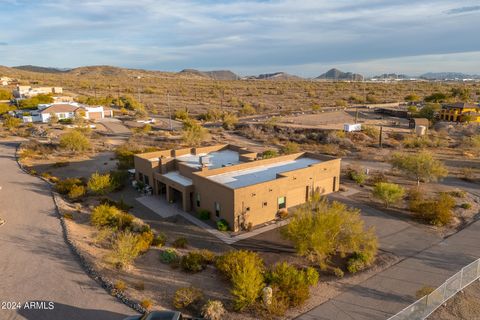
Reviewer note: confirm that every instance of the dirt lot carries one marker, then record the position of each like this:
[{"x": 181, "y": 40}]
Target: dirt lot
[{"x": 463, "y": 306}]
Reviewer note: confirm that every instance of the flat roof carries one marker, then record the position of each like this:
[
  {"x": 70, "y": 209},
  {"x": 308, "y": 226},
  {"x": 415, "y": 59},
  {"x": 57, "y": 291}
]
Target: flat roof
[
  {"x": 180, "y": 179},
  {"x": 218, "y": 159},
  {"x": 245, "y": 177}
]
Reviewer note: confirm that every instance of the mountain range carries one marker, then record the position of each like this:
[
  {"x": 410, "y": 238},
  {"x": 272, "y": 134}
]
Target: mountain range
[{"x": 331, "y": 75}]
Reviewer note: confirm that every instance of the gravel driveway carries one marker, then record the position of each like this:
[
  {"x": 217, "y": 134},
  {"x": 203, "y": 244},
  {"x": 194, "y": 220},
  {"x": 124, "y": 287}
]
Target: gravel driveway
[{"x": 35, "y": 262}]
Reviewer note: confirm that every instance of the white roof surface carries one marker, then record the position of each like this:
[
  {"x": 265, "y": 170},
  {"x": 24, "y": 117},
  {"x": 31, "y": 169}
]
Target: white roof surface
[
  {"x": 217, "y": 158},
  {"x": 246, "y": 177},
  {"x": 177, "y": 177}
]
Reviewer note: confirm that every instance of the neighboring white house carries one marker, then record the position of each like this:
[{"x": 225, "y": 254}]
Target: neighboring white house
[
  {"x": 5, "y": 81},
  {"x": 66, "y": 111},
  {"x": 23, "y": 92}
]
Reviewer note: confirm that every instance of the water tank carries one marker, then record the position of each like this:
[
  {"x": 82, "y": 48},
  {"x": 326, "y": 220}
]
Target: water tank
[{"x": 420, "y": 130}]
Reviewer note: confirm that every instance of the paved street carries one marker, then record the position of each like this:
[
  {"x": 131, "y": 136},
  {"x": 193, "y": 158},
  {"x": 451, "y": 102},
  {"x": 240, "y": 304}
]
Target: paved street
[
  {"x": 35, "y": 262},
  {"x": 427, "y": 260}
]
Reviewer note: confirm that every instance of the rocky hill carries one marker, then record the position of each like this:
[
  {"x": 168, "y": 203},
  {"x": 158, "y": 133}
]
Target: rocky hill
[
  {"x": 274, "y": 76},
  {"x": 335, "y": 74}
]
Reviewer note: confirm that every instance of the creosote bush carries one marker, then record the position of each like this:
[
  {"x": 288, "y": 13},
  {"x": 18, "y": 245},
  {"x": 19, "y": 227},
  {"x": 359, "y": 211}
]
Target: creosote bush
[
  {"x": 213, "y": 310},
  {"x": 100, "y": 183},
  {"x": 180, "y": 243},
  {"x": 125, "y": 249},
  {"x": 184, "y": 297},
  {"x": 109, "y": 216},
  {"x": 75, "y": 141},
  {"x": 435, "y": 211}
]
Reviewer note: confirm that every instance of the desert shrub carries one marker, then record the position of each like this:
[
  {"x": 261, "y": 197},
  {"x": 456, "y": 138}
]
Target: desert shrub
[
  {"x": 110, "y": 216},
  {"x": 146, "y": 304},
  {"x": 293, "y": 282},
  {"x": 357, "y": 262},
  {"x": 180, "y": 243},
  {"x": 125, "y": 249},
  {"x": 371, "y": 131},
  {"x": 435, "y": 211},
  {"x": 222, "y": 225},
  {"x": 124, "y": 154},
  {"x": 120, "y": 285},
  {"x": 247, "y": 109},
  {"x": 66, "y": 185},
  {"x": 76, "y": 192},
  {"x": 145, "y": 240},
  {"x": 118, "y": 179},
  {"x": 466, "y": 206},
  {"x": 213, "y": 310},
  {"x": 204, "y": 215},
  {"x": 169, "y": 256},
  {"x": 244, "y": 270},
  {"x": 267, "y": 154},
  {"x": 193, "y": 134},
  {"x": 11, "y": 122},
  {"x": 75, "y": 141},
  {"x": 283, "y": 213},
  {"x": 290, "y": 147},
  {"x": 121, "y": 204},
  {"x": 338, "y": 272},
  {"x": 458, "y": 193},
  {"x": 192, "y": 262},
  {"x": 229, "y": 121},
  {"x": 358, "y": 176},
  {"x": 207, "y": 255},
  {"x": 389, "y": 193},
  {"x": 185, "y": 297},
  {"x": 104, "y": 236},
  {"x": 320, "y": 229},
  {"x": 424, "y": 291},
  {"x": 159, "y": 240},
  {"x": 100, "y": 183},
  {"x": 181, "y": 114}
]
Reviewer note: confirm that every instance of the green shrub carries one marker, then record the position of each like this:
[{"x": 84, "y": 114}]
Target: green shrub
[
  {"x": 184, "y": 297},
  {"x": 169, "y": 256},
  {"x": 159, "y": 240},
  {"x": 100, "y": 183},
  {"x": 76, "y": 192},
  {"x": 389, "y": 193},
  {"x": 244, "y": 269},
  {"x": 75, "y": 141},
  {"x": 110, "y": 216},
  {"x": 192, "y": 262},
  {"x": 180, "y": 243},
  {"x": 125, "y": 249},
  {"x": 290, "y": 147},
  {"x": 222, "y": 225},
  {"x": 435, "y": 211},
  {"x": 358, "y": 176},
  {"x": 424, "y": 291},
  {"x": 338, "y": 272},
  {"x": 204, "y": 215},
  {"x": 466, "y": 206},
  {"x": 293, "y": 282},
  {"x": 458, "y": 193},
  {"x": 357, "y": 262},
  {"x": 66, "y": 185},
  {"x": 269, "y": 154},
  {"x": 208, "y": 256},
  {"x": 122, "y": 205},
  {"x": 145, "y": 240},
  {"x": 118, "y": 179}
]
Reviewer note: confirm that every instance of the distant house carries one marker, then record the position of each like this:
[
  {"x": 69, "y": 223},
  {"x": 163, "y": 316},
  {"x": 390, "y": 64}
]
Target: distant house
[
  {"x": 460, "y": 112},
  {"x": 64, "y": 111},
  {"x": 5, "y": 81},
  {"x": 415, "y": 122},
  {"x": 25, "y": 92}
]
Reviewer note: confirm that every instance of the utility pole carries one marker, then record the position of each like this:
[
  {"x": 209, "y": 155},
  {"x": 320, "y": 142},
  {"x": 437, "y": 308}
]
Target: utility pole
[
  {"x": 169, "y": 111},
  {"x": 356, "y": 115},
  {"x": 380, "y": 140}
]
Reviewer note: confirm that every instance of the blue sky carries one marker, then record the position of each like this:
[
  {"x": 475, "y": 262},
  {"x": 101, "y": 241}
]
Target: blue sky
[{"x": 249, "y": 37}]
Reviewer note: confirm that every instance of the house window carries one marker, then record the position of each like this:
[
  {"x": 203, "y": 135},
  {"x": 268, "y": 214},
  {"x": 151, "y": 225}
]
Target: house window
[
  {"x": 61, "y": 115},
  {"x": 282, "y": 202},
  {"x": 217, "y": 209},
  {"x": 147, "y": 181},
  {"x": 198, "y": 199}
]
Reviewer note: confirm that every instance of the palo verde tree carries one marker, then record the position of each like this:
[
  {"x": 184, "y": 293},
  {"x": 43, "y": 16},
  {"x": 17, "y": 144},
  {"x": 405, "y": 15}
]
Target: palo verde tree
[
  {"x": 389, "y": 193},
  {"x": 320, "y": 230},
  {"x": 420, "y": 166}
]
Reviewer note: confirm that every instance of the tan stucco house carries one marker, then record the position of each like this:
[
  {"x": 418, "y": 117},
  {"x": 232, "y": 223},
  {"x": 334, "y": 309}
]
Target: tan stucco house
[{"x": 234, "y": 184}]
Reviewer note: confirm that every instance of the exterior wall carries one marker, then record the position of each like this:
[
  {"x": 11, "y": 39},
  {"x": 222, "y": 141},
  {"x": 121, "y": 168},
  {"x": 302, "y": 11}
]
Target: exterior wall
[
  {"x": 211, "y": 192},
  {"x": 455, "y": 114},
  {"x": 146, "y": 168},
  {"x": 262, "y": 199},
  {"x": 94, "y": 115}
]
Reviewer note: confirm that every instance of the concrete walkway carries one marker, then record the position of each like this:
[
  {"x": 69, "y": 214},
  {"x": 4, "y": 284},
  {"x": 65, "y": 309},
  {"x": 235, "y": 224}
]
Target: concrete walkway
[
  {"x": 166, "y": 210},
  {"x": 427, "y": 260},
  {"x": 35, "y": 262}
]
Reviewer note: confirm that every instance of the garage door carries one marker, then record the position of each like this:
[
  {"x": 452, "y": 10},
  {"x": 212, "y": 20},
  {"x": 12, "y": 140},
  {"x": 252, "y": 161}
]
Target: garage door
[{"x": 95, "y": 115}]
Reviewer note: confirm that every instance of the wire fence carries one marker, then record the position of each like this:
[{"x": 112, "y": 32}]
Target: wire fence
[{"x": 425, "y": 306}]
